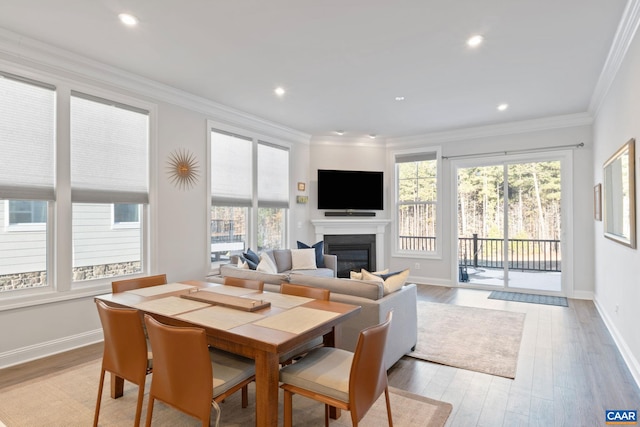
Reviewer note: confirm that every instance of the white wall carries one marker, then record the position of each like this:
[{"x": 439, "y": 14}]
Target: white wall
[{"x": 617, "y": 282}]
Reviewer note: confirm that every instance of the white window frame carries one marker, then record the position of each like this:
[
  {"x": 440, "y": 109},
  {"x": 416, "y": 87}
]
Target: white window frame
[
  {"x": 252, "y": 225},
  {"x": 60, "y": 285},
  {"x": 396, "y": 251}
]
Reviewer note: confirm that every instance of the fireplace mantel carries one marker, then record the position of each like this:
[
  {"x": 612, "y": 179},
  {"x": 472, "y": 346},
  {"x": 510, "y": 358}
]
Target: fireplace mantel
[{"x": 355, "y": 226}]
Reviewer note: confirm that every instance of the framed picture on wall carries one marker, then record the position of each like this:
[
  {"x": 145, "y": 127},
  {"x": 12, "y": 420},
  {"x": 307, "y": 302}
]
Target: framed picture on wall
[{"x": 597, "y": 202}]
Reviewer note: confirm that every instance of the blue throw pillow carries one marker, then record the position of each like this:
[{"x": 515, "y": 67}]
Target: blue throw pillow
[
  {"x": 252, "y": 265},
  {"x": 319, "y": 247},
  {"x": 252, "y": 258}
]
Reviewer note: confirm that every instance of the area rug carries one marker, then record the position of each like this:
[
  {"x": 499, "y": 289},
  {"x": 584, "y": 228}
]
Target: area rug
[
  {"x": 530, "y": 298},
  {"x": 476, "y": 339},
  {"x": 67, "y": 399}
]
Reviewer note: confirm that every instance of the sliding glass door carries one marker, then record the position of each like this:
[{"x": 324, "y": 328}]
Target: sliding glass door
[{"x": 509, "y": 224}]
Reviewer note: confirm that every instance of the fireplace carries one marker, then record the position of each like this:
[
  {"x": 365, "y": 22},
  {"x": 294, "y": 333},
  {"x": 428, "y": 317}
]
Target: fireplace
[
  {"x": 355, "y": 227},
  {"x": 354, "y": 251}
]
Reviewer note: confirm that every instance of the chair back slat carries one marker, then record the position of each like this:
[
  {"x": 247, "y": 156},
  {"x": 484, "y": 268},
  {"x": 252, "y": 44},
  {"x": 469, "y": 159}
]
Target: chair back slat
[{"x": 138, "y": 282}]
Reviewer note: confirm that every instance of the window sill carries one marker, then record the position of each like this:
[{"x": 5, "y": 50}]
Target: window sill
[{"x": 11, "y": 302}]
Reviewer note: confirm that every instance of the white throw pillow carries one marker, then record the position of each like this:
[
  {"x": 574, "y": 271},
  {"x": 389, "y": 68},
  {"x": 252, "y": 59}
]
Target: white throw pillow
[
  {"x": 303, "y": 259},
  {"x": 266, "y": 265},
  {"x": 391, "y": 283},
  {"x": 243, "y": 264}
]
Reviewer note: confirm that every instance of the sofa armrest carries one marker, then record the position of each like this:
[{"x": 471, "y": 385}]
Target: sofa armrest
[
  {"x": 403, "y": 333},
  {"x": 331, "y": 261}
]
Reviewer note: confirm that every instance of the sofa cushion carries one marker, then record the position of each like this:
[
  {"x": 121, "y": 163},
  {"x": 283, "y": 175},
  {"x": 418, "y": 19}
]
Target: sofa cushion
[
  {"x": 266, "y": 264},
  {"x": 282, "y": 258},
  {"x": 360, "y": 288},
  {"x": 251, "y": 256},
  {"x": 391, "y": 282},
  {"x": 358, "y": 274},
  {"x": 303, "y": 259},
  {"x": 319, "y": 247},
  {"x": 318, "y": 272}
]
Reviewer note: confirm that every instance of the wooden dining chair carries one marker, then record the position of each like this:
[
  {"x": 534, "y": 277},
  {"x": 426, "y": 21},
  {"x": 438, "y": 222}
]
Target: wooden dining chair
[
  {"x": 244, "y": 283},
  {"x": 308, "y": 292},
  {"x": 125, "y": 351},
  {"x": 138, "y": 282},
  {"x": 188, "y": 376},
  {"x": 339, "y": 378},
  {"x": 305, "y": 291}
]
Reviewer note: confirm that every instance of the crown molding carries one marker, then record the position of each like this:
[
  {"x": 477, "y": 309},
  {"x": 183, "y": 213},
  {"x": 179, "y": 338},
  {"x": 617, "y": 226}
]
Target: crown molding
[
  {"x": 621, "y": 41},
  {"x": 17, "y": 48},
  {"x": 511, "y": 128}
]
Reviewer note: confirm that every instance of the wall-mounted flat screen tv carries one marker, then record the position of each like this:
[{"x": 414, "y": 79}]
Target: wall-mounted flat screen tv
[{"x": 346, "y": 189}]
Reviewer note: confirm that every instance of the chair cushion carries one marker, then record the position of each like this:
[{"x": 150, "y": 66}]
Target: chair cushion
[
  {"x": 229, "y": 370},
  {"x": 324, "y": 370}
]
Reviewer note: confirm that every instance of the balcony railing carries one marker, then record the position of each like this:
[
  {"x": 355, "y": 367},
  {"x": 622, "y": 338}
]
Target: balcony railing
[{"x": 524, "y": 254}]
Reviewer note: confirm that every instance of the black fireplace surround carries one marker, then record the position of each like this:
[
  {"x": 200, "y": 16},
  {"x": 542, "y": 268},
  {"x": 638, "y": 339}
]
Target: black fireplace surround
[{"x": 354, "y": 252}]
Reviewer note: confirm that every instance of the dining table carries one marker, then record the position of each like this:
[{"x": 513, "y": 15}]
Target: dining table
[{"x": 255, "y": 324}]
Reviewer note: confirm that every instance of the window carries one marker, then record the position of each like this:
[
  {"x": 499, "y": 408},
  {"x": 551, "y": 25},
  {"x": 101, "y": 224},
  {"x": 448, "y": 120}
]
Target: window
[
  {"x": 73, "y": 183},
  {"x": 273, "y": 195},
  {"x": 27, "y": 135},
  {"x": 27, "y": 212},
  {"x": 109, "y": 156},
  {"x": 126, "y": 213},
  {"x": 416, "y": 202},
  {"x": 249, "y": 194}
]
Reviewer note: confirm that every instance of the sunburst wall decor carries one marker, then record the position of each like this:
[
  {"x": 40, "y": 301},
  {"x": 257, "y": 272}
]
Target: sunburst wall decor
[{"x": 182, "y": 168}]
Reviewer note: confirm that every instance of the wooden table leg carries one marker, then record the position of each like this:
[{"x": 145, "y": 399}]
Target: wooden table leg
[
  {"x": 267, "y": 382},
  {"x": 117, "y": 386}
]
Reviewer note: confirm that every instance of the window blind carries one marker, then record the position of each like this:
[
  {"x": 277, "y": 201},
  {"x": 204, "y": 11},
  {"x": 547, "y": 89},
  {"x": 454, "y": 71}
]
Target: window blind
[
  {"x": 273, "y": 176},
  {"x": 27, "y": 139},
  {"x": 415, "y": 157},
  {"x": 231, "y": 170},
  {"x": 109, "y": 151}
]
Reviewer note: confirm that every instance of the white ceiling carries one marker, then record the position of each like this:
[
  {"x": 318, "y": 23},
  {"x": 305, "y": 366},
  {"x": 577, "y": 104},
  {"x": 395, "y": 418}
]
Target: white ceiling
[{"x": 343, "y": 62}]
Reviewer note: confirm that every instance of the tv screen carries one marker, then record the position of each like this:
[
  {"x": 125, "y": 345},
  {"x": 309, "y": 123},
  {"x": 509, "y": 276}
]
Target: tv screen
[{"x": 344, "y": 189}]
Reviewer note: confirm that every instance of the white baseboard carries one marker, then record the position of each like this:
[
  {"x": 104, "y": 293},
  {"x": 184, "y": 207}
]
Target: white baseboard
[
  {"x": 627, "y": 355},
  {"x": 49, "y": 348},
  {"x": 587, "y": 295}
]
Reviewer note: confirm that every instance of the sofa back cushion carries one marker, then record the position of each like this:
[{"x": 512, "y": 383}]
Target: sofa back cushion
[
  {"x": 359, "y": 288},
  {"x": 282, "y": 257}
]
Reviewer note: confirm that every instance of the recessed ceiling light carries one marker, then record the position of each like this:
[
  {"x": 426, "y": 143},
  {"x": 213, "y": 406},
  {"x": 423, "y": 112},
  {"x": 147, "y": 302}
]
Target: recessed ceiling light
[
  {"x": 279, "y": 91},
  {"x": 127, "y": 19},
  {"x": 340, "y": 132},
  {"x": 399, "y": 98},
  {"x": 475, "y": 41},
  {"x": 372, "y": 135},
  {"x": 503, "y": 107}
]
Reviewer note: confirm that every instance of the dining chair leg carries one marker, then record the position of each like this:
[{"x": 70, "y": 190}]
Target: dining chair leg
[
  {"x": 386, "y": 395},
  {"x": 288, "y": 408},
  {"x": 149, "y": 411},
  {"x": 99, "y": 400},
  {"x": 139, "y": 405},
  {"x": 245, "y": 396}
]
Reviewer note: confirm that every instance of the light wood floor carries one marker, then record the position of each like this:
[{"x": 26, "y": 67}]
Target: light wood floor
[{"x": 569, "y": 370}]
